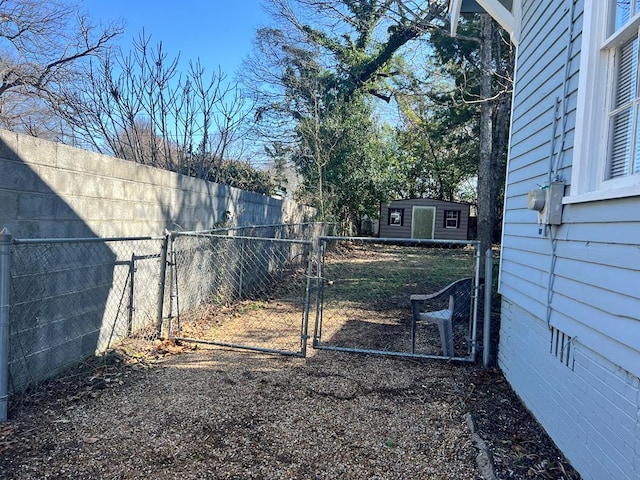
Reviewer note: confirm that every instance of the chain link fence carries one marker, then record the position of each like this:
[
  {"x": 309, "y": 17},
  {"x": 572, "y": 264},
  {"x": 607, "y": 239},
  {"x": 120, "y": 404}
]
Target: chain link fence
[
  {"x": 248, "y": 287},
  {"x": 63, "y": 300},
  {"x": 240, "y": 291},
  {"x": 71, "y": 298},
  {"x": 366, "y": 287}
]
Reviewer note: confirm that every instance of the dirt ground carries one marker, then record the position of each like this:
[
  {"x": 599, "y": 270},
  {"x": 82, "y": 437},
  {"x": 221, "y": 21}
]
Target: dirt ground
[{"x": 185, "y": 412}]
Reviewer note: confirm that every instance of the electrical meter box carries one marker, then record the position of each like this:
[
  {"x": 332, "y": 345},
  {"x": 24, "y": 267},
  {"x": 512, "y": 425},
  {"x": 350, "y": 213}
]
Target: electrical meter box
[{"x": 547, "y": 202}]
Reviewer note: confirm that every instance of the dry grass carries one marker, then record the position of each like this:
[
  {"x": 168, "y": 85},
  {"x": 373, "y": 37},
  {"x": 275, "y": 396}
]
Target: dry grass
[{"x": 272, "y": 324}]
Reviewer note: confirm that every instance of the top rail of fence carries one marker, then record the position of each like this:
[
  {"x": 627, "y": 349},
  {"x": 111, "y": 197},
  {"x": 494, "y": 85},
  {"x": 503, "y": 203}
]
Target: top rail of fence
[
  {"x": 240, "y": 237},
  {"x": 42, "y": 241},
  {"x": 248, "y": 227},
  {"x": 412, "y": 241}
]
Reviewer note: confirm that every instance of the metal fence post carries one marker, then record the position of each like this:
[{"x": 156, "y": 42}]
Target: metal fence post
[
  {"x": 486, "y": 331},
  {"x": 5, "y": 265},
  {"x": 241, "y": 268},
  {"x": 307, "y": 303},
  {"x": 132, "y": 291},
  {"x": 161, "y": 282},
  {"x": 319, "y": 246},
  {"x": 474, "y": 316}
]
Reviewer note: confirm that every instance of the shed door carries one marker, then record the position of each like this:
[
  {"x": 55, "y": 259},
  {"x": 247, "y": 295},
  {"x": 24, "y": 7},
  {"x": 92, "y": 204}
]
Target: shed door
[{"x": 423, "y": 221}]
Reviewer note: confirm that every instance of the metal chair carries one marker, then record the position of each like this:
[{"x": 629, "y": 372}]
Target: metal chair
[{"x": 459, "y": 293}]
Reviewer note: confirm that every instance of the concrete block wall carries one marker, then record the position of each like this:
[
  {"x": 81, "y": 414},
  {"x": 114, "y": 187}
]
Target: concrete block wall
[
  {"x": 48, "y": 190},
  {"x": 70, "y": 300},
  {"x": 590, "y": 408}
]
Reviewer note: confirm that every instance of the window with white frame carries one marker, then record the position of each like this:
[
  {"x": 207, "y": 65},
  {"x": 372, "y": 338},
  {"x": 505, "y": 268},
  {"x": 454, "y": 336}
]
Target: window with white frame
[
  {"x": 452, "y": 219},
  {"x": 624, "y": 128},
  {"x": 607, "y": 145}
]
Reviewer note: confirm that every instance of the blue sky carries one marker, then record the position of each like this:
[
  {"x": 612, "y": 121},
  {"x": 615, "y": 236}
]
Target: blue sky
[{"x": 219, "y": 32}]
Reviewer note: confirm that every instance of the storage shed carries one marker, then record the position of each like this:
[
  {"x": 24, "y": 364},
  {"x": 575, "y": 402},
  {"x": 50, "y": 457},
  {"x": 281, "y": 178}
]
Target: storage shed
[{"x": 424, "y": 218}]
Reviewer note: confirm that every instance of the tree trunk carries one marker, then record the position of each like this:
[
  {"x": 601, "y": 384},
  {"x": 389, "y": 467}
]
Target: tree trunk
[{"x": 486, "y": 197}]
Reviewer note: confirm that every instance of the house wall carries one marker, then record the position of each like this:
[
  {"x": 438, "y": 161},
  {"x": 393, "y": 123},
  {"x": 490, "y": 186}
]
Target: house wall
[
  {"x": 48, "y": 190},
  {"x": 579, "y": 283},
  {"x": 440, "y": 232}
]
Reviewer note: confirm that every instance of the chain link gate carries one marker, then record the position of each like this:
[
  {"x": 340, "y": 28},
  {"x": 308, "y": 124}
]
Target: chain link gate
[
  {"x": 240, "y": 292},
  {"x": 368, "y": 289}
]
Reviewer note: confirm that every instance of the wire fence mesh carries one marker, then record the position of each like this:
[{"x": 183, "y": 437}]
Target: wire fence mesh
[
  {"x": 365, "y": 289},
  {"x": 72, "y": 298},
  {"x": 249, "y": 287},
  {"x": 240, "y": 291}
]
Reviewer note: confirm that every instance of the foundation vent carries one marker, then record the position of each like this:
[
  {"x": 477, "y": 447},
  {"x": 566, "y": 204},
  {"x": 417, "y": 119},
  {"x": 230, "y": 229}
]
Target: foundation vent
[{"x": 561, "y": 347}]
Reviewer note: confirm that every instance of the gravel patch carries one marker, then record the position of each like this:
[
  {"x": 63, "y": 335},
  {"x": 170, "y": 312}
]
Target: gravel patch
[{"x": 187, "y": 412}]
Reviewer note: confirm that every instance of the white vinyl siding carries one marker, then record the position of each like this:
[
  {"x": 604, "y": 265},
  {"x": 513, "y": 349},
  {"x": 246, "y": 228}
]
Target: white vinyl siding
[
  {"x": 584, "y": 281},
  {"x": 609, "y": 228}
]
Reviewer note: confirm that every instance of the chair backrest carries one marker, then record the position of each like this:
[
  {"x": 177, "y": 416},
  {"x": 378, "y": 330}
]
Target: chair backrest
[{"x": 462, "y": 292}]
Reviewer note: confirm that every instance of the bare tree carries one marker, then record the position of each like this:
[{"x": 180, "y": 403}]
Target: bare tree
[
  {"x": 140, "y": 107},
  {"x": 475, "y": 100},
  {"x": 42, "y": 47}
]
